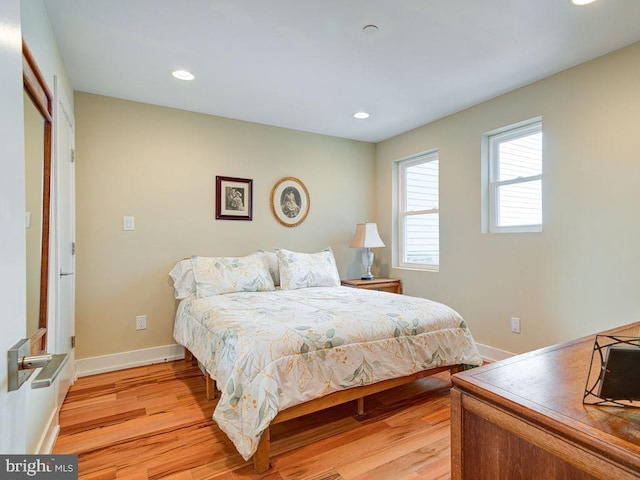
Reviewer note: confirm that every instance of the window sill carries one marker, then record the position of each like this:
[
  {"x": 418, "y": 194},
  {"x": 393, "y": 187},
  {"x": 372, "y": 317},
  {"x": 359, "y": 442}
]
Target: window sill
[
  {"x": 519, "y": 229},
  {"x": 416, "y": 268}
]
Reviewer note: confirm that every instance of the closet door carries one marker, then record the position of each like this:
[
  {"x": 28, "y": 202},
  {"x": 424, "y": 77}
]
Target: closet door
[{"x": 66, "y": 234}]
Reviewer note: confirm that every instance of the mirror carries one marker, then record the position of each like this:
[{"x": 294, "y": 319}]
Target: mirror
[
  {"x": 37, "y": 133},
  {"x": 33, "y": 153}
]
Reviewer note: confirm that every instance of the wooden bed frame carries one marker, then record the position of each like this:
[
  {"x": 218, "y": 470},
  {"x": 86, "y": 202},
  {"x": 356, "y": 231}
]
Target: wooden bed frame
[{"x": 261, "y": 457}]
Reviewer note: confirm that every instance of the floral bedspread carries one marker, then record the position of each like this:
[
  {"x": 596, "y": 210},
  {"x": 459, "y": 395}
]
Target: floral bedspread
[{"x": 269, "y": 351}]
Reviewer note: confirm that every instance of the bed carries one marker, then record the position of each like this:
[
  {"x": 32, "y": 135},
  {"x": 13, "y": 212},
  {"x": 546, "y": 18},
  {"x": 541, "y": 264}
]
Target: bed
[{"x": 281, "y": 338}]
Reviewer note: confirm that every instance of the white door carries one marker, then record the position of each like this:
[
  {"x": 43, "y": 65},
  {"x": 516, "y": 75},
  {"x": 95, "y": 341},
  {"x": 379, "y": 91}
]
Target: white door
[
  {"x": 65, "y": 228},
  {"x": 13, "y": 315}
]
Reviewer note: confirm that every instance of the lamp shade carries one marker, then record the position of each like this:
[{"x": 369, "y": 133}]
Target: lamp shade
[{"x": 366, "y": 236}]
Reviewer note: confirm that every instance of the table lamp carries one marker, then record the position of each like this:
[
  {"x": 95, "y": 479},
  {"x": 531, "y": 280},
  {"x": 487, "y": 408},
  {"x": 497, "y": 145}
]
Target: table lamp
[{"x": 367, "y": 237}]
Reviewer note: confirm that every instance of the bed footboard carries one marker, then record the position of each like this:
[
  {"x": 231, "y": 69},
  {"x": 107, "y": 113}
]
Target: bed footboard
[{"x": 261, "y": 457}]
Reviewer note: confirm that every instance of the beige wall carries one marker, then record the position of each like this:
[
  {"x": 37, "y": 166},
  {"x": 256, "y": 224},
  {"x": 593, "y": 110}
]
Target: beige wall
[
  {"x": 159, "y": 165},
  {"x": 581, "y": 274}
]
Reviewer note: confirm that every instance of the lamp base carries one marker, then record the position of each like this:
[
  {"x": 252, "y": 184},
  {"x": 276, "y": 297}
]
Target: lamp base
[{"x": 367, "y": 260}]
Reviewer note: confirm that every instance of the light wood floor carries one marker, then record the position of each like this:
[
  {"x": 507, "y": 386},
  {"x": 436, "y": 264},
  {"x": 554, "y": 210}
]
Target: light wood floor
[{"x": 155, "y": 422}]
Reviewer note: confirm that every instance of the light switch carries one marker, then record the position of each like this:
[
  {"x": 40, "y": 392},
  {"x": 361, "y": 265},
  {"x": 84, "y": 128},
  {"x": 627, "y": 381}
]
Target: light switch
[
  {"x": 27, "y": 219},
  {"x": 128, "y": 223}
]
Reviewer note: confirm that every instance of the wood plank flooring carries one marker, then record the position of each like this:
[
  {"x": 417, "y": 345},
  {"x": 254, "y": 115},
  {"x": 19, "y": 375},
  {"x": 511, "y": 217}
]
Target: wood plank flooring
[{"x": 154, "y": 422}]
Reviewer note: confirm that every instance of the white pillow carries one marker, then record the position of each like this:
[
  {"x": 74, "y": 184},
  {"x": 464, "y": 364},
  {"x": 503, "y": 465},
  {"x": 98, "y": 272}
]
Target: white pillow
[
  {"x": 183, "y": 282},
  {"x": 218, "y": 275},
  {"x": 271, "y": 260},
  {"x": 303, "y": 270}
]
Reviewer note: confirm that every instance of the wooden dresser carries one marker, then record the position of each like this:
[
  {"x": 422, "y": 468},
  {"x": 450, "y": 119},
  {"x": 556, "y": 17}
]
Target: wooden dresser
[
  {"x": 523, "y": 418},
  {"x": 392, "y": 285}
]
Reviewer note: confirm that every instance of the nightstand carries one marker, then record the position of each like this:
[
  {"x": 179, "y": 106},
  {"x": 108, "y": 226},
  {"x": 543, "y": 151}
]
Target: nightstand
[{"x": 392, "y": 285}]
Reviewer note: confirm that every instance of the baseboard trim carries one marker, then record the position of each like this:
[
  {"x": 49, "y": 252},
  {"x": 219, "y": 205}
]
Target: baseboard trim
[
  {"x": 491, "y": 354},
  {"x": 135, "y": 358},
  {"x": 168, "y": 353},
  {"x": 48, "y": 439}
]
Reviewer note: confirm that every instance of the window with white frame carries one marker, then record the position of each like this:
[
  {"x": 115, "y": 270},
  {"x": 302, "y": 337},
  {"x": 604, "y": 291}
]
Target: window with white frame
[
  {"x": 418, "y": 228},
  {"x": 514, "y": 189}
]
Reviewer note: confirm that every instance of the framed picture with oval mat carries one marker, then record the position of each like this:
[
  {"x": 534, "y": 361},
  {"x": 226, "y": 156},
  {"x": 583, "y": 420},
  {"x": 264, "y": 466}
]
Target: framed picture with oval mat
[{"x": 290, "y": 201}]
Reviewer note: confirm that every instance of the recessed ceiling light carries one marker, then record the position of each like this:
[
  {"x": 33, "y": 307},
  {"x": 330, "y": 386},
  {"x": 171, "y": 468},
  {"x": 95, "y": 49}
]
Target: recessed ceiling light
[
  {"x": 183, "y": 75},
  {"x": 361, "y": 115},
  {"x": 582, "y": 2}
]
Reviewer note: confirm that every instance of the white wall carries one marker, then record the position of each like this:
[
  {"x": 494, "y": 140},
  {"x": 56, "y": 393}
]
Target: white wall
[
  {"x": 581, "y": 274},
  {"x": 38, "y": 35}
]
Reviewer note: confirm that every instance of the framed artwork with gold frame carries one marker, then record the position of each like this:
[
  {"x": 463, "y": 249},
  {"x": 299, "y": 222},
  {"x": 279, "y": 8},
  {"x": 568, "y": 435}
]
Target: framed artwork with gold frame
[{"x": 290, "y": 201}]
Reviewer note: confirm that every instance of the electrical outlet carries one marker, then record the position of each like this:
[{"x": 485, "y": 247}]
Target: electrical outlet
[
  {"x": 515, "y": 325},
  {"x": 128, "y": 223},
  {"x": 141, "y": 322}
]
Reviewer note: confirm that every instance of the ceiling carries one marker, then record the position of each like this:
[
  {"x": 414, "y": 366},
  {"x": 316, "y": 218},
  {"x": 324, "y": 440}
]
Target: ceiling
[{"x": 309, "y": 66}]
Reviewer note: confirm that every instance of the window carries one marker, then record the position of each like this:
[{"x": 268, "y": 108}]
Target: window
[
  {"x": 418, "y": 212},
  {"x": 513, "y": 200}
]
